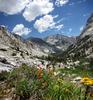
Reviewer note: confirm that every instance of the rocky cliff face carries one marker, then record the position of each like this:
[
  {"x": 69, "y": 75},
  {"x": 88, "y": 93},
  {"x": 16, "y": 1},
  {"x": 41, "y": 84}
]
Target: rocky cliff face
[
  {"x": 14, "y": 50},
  {"x": 84, "y": 45},
  {"x": 60, "y": 41},
  {"x": 88, "y": 30}
]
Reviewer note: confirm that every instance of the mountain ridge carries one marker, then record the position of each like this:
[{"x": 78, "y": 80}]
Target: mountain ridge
[
  {"x": 60, "y": 41},
  {"x": 43, "y": 45}
]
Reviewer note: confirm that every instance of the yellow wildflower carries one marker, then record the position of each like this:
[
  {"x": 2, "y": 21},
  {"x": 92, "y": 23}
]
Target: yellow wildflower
[
  {"x": 90, "y": 82},
  {"x": 87, "y": 81}
]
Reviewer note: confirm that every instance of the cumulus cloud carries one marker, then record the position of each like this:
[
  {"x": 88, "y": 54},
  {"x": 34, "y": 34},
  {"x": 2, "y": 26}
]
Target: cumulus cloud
[
  {"x": 61, "y": 2},
  {"x": 12, "y": 6},
  {"x": 37, "y": 8},
  {"x": 20, "y": 29},
  {"x": 47, "y": 22},
  {"x": 32, "y": 8},
  {"x": 44, "y": 23}
]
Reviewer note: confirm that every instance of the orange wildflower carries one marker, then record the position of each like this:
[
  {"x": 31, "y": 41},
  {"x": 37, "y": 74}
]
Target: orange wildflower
[{"x": 40, "y": 73}]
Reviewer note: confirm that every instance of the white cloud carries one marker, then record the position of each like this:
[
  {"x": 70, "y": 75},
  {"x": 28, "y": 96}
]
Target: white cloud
[
  {"x": 47, "y": 22},
  {"x": 81, "y": 28},
  {"x": 61, "y": 2},
  {"x": 44, "y": 23},
  {"x": 12, "y": 6},
  {"x": 37, "y": 8},
  {"x": 20, "y": 29},
  {"x": 32, "y": 8},
  {"x": 59, "y": 27}
]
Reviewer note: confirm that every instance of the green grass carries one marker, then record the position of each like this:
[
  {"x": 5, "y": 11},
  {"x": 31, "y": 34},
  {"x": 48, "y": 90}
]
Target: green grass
[
  {"x": 30, "y": 81},
  {"x": 77, "y": 71}
]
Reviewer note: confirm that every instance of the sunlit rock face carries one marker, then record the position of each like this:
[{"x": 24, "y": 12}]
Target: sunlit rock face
[
  {"x": 88, "y": 30},
  {"x": 86, "y": 39}
]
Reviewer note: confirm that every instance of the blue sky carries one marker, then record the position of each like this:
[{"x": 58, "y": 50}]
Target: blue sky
[{"x": 40, "y": 18}]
